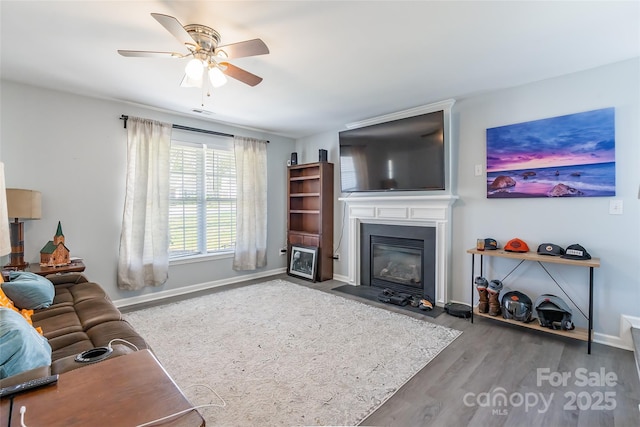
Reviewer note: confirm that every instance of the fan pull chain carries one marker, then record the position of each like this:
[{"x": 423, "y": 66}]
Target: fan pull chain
[{"x": 205, "y": 88}]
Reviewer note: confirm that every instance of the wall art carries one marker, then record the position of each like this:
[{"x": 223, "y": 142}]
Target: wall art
[
  {"x": 564, "y": 156},
  {"x": 303, "y": 261}
]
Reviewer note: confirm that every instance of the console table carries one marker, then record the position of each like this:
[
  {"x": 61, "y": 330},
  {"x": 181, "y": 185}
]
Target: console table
[
  {"x": 577, "y": 333},
  {"x": 127, "y": 390}
]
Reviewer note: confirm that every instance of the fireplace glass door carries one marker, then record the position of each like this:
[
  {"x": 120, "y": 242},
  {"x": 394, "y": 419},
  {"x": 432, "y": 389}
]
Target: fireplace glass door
[{"x": 397, "y": 264}]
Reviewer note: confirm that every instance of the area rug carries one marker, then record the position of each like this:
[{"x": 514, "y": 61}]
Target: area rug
[{"x": 283, "y": 354}]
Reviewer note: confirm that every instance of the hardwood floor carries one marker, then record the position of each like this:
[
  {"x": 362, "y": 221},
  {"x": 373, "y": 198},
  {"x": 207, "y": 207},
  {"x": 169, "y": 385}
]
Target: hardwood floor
[{"x": 463, "y": 385}]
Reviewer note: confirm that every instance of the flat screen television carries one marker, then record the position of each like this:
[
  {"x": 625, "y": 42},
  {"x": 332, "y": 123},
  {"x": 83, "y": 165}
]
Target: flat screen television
[{"x": 399, "y": 155}]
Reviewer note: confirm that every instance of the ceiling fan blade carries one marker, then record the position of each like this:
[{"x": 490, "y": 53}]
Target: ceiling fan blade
[
  {"x": 174, "y": 26},
  {"x": 243, "y": 49},
  {"x": 149, "y": 54},
  {"x": 239, "y": 74}
]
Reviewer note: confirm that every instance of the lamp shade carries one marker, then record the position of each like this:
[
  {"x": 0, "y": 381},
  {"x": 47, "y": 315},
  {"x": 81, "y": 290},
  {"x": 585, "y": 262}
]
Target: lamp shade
[
  {"x": 24, "y": 204},
  {"x": 5, "y": 243}
]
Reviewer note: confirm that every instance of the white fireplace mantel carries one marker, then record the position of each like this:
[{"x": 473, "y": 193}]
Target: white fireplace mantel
[{"x": 412, "y": 210}]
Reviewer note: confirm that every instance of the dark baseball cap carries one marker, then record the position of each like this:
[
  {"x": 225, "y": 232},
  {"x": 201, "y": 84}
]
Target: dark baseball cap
[
  {"x": 550, "y": 249},
  {"x": 576, "y": 251},
  {"x": 490, "y": 244}
]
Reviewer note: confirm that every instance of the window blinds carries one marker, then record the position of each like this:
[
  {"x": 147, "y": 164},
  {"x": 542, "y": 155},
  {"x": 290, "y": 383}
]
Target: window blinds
[{"x": 202, "y": 209}]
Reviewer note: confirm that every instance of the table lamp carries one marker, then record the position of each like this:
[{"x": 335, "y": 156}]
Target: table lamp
[{"x": 21, "y": 204}]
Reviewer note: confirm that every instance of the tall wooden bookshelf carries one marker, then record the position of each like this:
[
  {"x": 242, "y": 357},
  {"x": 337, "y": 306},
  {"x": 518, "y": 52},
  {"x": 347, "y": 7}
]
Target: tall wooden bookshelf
[{"x": 310, "y": 212}]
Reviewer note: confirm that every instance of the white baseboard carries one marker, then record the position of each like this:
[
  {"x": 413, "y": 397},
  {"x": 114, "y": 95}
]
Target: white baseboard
[
  {"x": 612, "y": 341},
  {"x": 634, "y": 321},
  {"x": 626, "y": 323},
  {"x": 341, "y": 278},
  {"x": 157, "y": 296}
]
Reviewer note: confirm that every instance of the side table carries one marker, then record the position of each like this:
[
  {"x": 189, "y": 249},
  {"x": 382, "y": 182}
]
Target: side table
[{"x": 74, "y": 267}]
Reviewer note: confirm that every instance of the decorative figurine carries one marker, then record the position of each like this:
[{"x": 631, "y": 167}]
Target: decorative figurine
[{"x": 55, "y": 253}]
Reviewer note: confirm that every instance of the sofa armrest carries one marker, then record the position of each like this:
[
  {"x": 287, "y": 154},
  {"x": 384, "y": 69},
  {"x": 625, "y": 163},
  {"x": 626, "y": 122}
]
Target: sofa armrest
[
  {"x": 69, "y": 363},
  {"x": 72, "y": 278},
  {"x": 31, "y": 374}
]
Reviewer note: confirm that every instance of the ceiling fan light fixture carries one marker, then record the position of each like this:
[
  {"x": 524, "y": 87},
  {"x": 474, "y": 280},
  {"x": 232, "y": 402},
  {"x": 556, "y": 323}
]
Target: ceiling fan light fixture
[
  {"x": 195, "y": 68},
  {"x": 205, "y": 53},
  {"x": 216, "y": 77}
]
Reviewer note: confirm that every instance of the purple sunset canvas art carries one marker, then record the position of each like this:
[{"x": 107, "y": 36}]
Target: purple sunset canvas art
[{"x": 564, "y": 156}]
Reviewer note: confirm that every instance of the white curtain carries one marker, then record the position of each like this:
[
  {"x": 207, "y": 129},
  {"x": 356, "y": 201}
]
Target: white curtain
[
  {"x": 251, "y": 216},
  {"x": 144, "y": 242}
]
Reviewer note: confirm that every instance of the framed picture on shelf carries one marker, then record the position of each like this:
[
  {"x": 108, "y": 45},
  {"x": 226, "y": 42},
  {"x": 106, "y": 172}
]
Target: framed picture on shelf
[{"x": 304, "y": 261}]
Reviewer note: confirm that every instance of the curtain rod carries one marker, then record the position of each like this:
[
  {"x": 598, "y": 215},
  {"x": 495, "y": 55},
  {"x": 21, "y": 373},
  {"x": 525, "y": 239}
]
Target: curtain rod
[{"x": 187, "y": 128}]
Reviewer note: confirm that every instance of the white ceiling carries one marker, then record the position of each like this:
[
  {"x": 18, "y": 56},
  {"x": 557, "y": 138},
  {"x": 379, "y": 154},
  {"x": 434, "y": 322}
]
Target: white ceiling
[{"x": 330, "y": 62}]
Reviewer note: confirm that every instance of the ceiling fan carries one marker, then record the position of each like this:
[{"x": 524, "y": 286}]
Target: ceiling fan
[{"x": 202, "y": 43}]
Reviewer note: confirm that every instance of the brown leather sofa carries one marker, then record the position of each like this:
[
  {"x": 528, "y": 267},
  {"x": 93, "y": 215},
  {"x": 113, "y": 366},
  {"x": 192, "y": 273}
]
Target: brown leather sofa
[{"x": 81, "y": 317}]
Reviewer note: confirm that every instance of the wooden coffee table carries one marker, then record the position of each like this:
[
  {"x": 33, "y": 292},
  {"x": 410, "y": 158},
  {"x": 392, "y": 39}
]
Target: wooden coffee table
[{"x": 124, "y": 391}]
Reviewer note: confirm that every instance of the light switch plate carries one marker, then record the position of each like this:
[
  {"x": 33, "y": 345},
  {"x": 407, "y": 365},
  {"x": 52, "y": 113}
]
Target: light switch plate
[
  {"x": 615, "y": 207},
  {"x": 478, "y": 170}
]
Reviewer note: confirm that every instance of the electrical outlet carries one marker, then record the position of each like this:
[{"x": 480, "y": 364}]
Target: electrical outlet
[
  {"x": 336, "y": 257},
  {"x": 283, "y": 251},
  {"x": 478, "y": 170}
]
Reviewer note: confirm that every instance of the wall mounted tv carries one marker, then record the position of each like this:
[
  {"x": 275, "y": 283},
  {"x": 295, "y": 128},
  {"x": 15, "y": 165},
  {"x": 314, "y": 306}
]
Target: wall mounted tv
[{"x": 399, "y": 155}]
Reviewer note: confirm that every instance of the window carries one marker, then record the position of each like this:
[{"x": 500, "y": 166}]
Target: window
[{"x": 202, "y": 205}]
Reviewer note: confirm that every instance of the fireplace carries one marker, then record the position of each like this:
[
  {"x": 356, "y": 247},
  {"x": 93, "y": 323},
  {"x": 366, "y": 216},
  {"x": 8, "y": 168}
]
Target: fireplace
[
  {"x": 413, "y": 211},
  {"x": 399, "y": 257}
]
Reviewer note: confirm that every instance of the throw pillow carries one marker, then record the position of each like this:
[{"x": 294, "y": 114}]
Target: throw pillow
[
  {"x": 21, "y": 347},
  {"x": 7, "y": 303},
  {"x": 29, "y": 290}
]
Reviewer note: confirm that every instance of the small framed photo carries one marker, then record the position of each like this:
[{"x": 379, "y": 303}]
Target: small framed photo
[{"x": 303, "y": 262}]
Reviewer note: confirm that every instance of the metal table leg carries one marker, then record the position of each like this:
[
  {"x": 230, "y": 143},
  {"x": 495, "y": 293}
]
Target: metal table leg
[{"x": 590, "y": 308}]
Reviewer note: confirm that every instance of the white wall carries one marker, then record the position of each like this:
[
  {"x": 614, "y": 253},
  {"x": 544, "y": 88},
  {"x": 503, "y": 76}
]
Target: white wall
[
  {"x": 73, "y": 149},
  {"x": 566, "y": 220},
  {"x": 613, "y": 238}
]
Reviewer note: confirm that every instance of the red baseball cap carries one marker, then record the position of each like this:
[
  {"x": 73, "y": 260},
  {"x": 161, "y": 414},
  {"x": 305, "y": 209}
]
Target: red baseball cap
[{"x": 516, "y": 245}]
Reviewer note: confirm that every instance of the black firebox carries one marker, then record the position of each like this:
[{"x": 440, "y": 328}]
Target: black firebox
[{"x": 398, "y": 257}]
